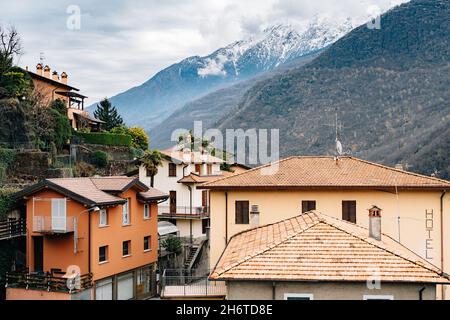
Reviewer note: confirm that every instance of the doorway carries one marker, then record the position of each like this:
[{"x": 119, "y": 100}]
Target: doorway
[
  {"x": 173, "y": 202},
  {"x": 38, "y": 250}
]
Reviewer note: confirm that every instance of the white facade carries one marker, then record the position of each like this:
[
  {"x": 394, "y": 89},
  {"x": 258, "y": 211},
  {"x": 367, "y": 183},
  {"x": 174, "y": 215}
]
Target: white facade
[{"x": 180, "y": 210}]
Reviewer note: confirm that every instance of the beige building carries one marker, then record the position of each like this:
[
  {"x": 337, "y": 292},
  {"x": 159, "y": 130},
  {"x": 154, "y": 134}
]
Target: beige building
[
  {"x": 318, "y": 257},
  {"x": 50, "y": 86},
  {"x": 416, "y": 208}
]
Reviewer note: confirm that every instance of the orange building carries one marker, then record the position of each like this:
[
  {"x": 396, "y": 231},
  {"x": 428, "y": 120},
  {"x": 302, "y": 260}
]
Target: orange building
[
  {"x": 89, "y": 238},
  {"x": 51, "y": 86}
]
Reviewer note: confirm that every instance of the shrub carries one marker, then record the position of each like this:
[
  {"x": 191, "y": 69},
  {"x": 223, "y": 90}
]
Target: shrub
[
  {"x": 105, "y": 138},
  {"x": 83, "y": 169},
  {"x": 173, "y": 244},
  {"x": 7, "y": 156},
  {"x": 6, "y": 201},
  {"x": 59, "y": 106},
  {"x": 139, "y": 138},
  {"x": 99, "y": 159}
]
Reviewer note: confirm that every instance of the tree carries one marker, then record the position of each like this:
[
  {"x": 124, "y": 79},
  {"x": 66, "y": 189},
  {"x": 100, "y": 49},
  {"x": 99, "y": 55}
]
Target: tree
[
  {"x": 10, "y": 47},
  {"x": 107, "y": 113},
  {"x": 59, "y": 106},
  {"x": 139, "y": 137},
  {"x": 172, "y": 244},
  {"x": 151, "y": 161}
]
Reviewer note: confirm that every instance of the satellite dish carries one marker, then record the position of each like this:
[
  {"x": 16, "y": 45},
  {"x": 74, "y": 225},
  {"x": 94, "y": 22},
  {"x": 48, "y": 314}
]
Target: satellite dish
[{"x": 339, "y": 148}]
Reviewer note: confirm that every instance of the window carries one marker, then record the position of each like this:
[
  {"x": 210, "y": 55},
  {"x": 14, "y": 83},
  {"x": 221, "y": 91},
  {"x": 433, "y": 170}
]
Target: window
[
  {"x": 126, "y": 248},
  {"x": 242, "y": 212},
  {"x": 378, "y": 297},
  {"x": 205, "y": 225},
  {"x": 308, "y": 206},
  {"x": 104, "y": 289},
  {"x": 147, "y": 243},
  {"x": 198, "y": 168},
  {"x": 172, "y": 170},
  {"x": 103, "y": 218},
  {"x": 298, "y": 296},
  {"x": 349, "y": 211},
  {"x": 126, "y": 213},
  {"x": 147, "y": 211},
  {"x": 125, "y": 286},
  {"x": 103, "y": 254},
  {"x": 209, "y": 169}
]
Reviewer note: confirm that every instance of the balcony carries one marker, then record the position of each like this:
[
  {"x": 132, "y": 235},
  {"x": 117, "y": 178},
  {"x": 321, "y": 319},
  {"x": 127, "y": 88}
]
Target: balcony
[
  {"x": 12, "y": 228},
  {"x": 53, "y": 225},
  {"x": 188, "y": 284},
  {"x": 183, "y": 212},
  {"x": 51, "y": 282}
]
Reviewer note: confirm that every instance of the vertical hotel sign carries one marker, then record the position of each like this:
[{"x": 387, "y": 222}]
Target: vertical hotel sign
[{"x": 429, "y": 227}]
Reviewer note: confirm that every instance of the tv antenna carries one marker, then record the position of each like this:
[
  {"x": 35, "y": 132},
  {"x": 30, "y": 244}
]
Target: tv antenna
[
  {"x": 339, "y": 148},
  {"x": 41, "y": 58}
]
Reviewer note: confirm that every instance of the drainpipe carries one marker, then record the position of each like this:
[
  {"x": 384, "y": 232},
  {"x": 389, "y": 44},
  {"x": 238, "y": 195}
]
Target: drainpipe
[
  {"x": 274, "y": 291},
  {"x": 226, "y": 219},
  {"x": 442, "y": 236},
  {"x": 190, "y": 210},
  {"x": 421, "y": 293},
  {"x": 89, "y": 242}
]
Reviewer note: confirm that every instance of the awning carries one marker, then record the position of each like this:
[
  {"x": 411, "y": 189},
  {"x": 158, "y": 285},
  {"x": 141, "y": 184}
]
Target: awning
[{"x": 165, "y": 228}]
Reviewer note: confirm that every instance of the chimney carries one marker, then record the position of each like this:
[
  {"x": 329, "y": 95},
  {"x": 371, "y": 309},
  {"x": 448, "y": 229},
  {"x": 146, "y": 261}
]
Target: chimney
[
  {"x": 47, "y": 72},
  {"x": 254, "y": 216},
  {"x": 64, "y": 77},
  {"x": 55, "y": 76},
  {"x": 375, "y": 223},
  {"x": 39, "y": 69},
  {"x": 399, "y": 166}
]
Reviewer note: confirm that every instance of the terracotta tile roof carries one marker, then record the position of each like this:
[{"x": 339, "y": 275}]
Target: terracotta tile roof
[
  {"x": 153, "y": 194},
  {"x": 195, "y": 178},
  {"x": 193, "y": 157},
  {"x": 118, "y": 183},
  {"x": 95, "y": 190},
  {"x": 316, "y": 247},
  {"x": 84, "y": 188},
  {"x": 326, "y": 172}
]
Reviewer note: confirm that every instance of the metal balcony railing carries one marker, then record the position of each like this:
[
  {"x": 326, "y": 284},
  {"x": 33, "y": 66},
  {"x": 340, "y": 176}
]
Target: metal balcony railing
[
  {"x": 52, "y": 282},
  {"x": 52, "y": 225},
  {"x": 190, "y": 283},
  {"x": 183, "y": 212}
]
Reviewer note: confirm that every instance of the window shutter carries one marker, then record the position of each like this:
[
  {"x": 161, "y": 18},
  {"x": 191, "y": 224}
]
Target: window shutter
[
  {"x": 349, "y": 211},
  {"x": 242, "y": 212}
]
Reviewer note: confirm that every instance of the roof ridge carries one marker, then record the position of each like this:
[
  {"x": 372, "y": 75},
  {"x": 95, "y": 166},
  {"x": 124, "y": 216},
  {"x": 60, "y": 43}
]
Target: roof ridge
[
  {"x": 259, "y": 252},
  {"x": 251, "y": 170},
  {"x": 398, "y": 170}
]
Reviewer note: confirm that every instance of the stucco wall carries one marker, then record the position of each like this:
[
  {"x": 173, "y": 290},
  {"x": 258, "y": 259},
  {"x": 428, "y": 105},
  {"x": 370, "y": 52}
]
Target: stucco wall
[
  {"x": 278, "y": 205},
  {"x": 326, "y": 291}
]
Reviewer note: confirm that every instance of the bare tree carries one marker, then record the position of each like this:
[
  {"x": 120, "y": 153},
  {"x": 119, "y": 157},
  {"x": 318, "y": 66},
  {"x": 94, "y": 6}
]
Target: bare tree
[{"x": 10, "y": 46}]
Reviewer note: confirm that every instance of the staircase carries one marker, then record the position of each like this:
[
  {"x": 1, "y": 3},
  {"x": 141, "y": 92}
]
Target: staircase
[{"x": 193, "y": 252}]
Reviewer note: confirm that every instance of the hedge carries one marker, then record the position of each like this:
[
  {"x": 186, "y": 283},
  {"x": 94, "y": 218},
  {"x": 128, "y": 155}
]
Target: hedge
[{"x": 105, "y": 138}]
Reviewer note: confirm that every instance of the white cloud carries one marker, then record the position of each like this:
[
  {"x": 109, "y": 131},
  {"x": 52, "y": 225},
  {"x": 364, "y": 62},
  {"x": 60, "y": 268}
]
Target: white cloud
[
  {"x": 122, "y": 43},
  {"x": 214, "y": 67}
]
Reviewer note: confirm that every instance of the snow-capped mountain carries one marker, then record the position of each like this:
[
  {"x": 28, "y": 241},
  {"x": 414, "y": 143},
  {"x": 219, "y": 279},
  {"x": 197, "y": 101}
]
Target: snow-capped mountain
[{"x": 171, "y": 88}]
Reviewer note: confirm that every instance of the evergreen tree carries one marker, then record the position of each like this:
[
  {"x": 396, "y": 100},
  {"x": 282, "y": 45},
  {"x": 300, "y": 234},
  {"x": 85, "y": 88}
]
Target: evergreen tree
[{"x": 107, "y": 113}]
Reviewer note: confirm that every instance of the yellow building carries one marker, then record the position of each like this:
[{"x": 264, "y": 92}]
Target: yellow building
[
  {"x": 316, "y": 257},
  {"x": 416, "y": 208}
]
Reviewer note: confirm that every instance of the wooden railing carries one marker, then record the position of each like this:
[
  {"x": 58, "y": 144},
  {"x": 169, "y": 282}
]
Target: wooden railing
[
  {"x": 48, "y": 281},
  {"x": 12, "y": 228}
]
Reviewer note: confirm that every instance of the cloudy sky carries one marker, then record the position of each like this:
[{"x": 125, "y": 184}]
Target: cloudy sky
[{"x": 119, "y": 44}]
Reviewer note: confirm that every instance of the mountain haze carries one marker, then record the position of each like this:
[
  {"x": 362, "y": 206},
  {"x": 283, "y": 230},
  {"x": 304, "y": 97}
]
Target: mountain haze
[
  {"x": 150, "y": 103},
  {"x": 389, "y": 88}
]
